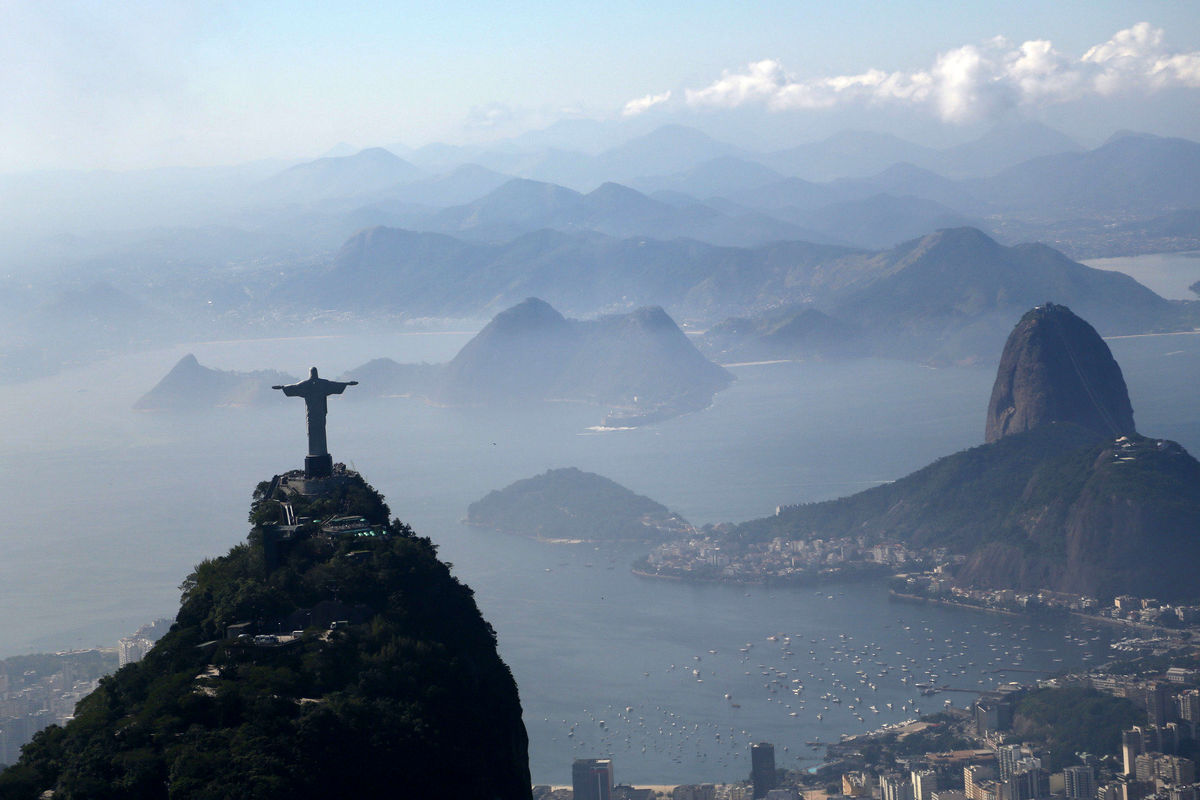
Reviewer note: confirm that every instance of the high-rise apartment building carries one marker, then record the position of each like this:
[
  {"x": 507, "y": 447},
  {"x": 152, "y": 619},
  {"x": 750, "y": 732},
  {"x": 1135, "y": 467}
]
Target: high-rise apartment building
[
  {"x": 895, "y": 787},
  {"x": 592, "y": 778},
  {"x": 762, "y": 768},
  {"x": 925, "y": 783},
  {"x": 1079, "y": 783}
]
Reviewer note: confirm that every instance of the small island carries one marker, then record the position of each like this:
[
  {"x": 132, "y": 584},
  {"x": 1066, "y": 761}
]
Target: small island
[{"x": 570, "y": 505}]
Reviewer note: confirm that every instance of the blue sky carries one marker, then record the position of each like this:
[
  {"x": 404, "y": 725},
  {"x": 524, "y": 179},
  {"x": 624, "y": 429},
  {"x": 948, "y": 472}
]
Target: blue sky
[{"x": 134, "y": 84}]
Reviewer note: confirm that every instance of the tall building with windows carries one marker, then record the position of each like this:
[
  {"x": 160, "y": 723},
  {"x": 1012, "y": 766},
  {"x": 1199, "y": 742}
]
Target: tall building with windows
[
  {"x": 1007, "y": 757},
  {"x": 925, "y": 783},
  {"x": 592, "y": 778},
  {"x": 974, "y": 778},
  {"x": 1028, "y": 781},
  {"x": 1079, "y": 783},
  {"x": 131, "y": 649},
  {"x": 1188, "y": 707},
  {"x": 895, "y": 787},
  {"x": 762, "y": 768}
]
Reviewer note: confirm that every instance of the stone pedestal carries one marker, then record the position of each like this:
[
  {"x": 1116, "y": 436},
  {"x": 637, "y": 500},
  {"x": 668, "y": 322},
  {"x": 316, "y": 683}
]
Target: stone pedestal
[{"x": 318, "y": 466}]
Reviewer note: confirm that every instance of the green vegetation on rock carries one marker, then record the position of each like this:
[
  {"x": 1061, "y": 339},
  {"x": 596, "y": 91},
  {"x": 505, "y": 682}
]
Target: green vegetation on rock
[
  {"x": 572, "y": 504},
  {"x": 398, "y": 702},
  {"x": 1074, "y": 720},
  {"x": 1053, "y": 508}
]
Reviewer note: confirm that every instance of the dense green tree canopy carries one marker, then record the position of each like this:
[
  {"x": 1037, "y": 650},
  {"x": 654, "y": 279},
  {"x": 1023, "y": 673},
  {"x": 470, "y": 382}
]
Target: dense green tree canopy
[{"x": 395, "y": 705}]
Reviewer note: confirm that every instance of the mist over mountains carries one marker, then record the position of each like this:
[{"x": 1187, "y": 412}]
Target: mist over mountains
[
  {"x": 639, "y": 366},
  {"x": 704, "y": 228}
]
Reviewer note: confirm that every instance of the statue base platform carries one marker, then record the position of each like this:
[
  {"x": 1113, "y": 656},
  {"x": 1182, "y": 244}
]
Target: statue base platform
[
  {"x": 296, "y": 481},
  {"x": 318, "y": 466}
]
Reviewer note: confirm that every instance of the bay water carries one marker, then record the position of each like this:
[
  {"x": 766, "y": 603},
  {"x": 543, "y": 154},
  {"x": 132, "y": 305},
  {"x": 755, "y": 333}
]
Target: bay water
[{"x": 106, "y": 510}]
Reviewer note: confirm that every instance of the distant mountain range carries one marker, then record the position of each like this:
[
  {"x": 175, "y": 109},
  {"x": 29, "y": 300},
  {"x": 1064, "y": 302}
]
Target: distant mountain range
[
  {"x": 367, "y": 172},
  {"x": 670, "y": 217},
  {"x": 721, "y": 195},
  {"x": 946, "y": 296},
  {"x": 520, "y": 206}
]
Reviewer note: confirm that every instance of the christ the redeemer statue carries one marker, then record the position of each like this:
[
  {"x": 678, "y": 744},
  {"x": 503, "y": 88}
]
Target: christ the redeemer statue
[{"x": 318, "y": 463}]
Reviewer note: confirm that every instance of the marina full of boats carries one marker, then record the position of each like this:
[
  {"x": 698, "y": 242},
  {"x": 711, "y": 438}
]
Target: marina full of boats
[{"x": 801, "y": 689}]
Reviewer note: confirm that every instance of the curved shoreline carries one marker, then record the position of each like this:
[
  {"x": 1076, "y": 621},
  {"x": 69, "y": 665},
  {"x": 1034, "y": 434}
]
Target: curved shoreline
[{"x": 769, "y": 580}]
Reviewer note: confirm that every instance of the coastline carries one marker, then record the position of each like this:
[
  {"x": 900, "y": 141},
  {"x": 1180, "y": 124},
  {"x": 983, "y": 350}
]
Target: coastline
[
  {"x": 937, "y": 601},
  {"x": 805, "y": 579},
  {"x": 1143, "y": 627}
]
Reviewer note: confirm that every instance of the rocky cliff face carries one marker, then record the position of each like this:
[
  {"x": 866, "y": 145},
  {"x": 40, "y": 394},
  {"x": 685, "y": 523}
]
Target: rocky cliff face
[
  {"x": 1119, "y": 518},
  {"x": 1056, "y": 368}
]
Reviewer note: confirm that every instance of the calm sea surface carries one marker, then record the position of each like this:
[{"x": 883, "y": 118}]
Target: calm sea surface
[
  {"x": 106, "y": 510},
  {"x": 1169, "y": 274}
]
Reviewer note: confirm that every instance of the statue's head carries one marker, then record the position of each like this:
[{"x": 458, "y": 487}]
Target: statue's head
[{"x": 312, "y": 372}]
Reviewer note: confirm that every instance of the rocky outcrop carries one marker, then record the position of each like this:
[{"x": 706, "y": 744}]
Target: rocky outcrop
[
  {"x": 1056, "y": 368},
  {"x": 1122, "y": 521}
]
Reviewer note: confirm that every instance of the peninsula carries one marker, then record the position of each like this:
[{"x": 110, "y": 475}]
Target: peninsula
[{"x": 1066, "y": 496}]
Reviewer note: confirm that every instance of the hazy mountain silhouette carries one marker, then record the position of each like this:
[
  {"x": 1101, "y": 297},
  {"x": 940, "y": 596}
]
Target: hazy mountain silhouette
[
  {"x": 882, "y": 220},
  {"x": 793, "y": 332},
  {"x": 365, "y": 173},
  {"x": 959, "y": 287},
  {"x": 191, "y": 386},
  {"x": 949, "y": 297},
  {"x": 522, "y": 206},
  {"x": 665, "y": 150},
  {"x": 461, "y": 185},
  {"x": 845, "y": 154},
  {"x": 720, "y": 177},
  {"x": 1005, "y": 145},
  {"x": 639, "y": 361},
  {"x": 1136, "y": 174},
  {"x": 949, "y": 294}
]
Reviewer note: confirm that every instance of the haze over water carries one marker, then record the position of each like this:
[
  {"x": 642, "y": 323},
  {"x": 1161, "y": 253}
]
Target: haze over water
[{"x": 106, "y": 511}]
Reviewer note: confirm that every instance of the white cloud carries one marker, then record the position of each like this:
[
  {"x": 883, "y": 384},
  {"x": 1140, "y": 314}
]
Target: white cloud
[
  {"x": 642, "y": 104},
  {"x": 963, "y": 84},
  {"x": 761, "y": 81}
]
